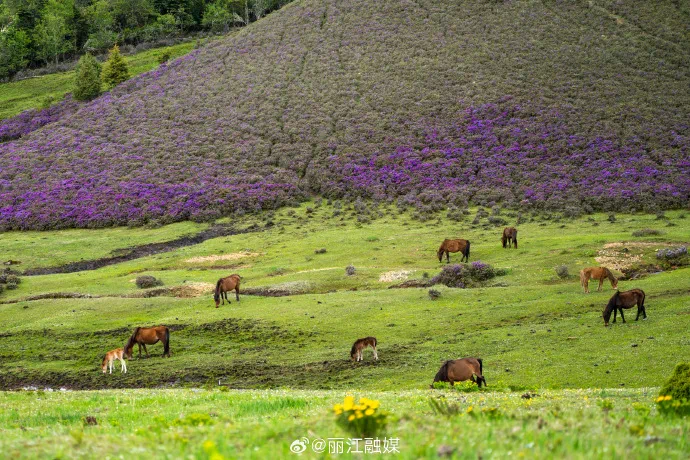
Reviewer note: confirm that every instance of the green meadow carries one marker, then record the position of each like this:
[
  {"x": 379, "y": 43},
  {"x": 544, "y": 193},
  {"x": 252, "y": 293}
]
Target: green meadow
[{"x": 248, "y": 378}]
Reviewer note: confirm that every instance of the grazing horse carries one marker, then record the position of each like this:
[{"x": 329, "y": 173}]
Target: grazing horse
[
  {"x": 596, "y": 273},
  {"x": 625, "y": 299},
  {"x": 148, "y": 336},
  {"x": 359, "y": 346},
  {"x": 111, "y": 356},
  {"x": 224, "y": 285},
  {"x": 509, "y": 236},
  {"x": 459, "y": 370},
  {"x": 448, "y": 246}
]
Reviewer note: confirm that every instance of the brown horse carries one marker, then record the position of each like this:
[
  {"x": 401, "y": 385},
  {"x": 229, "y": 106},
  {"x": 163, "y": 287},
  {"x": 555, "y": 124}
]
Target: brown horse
[
  {"x": 359, "y": 346},
  {"x": 596, "y": 273},
  {"x": 625, "y": 299},
  {"x": 509, "y": 236},
  {"x": 459, "y": 370},
  {"x": 224, "y": 285},
  {"x": 448, "y": 246},
  {"x": 148, "y": 336}
]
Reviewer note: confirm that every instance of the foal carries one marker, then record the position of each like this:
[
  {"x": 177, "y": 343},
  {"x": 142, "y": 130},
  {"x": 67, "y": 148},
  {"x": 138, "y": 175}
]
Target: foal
[
  {"x": 596, "y": 273},
  {"x": 111, "y": 356},
  {"x": 359, "y": 346}
]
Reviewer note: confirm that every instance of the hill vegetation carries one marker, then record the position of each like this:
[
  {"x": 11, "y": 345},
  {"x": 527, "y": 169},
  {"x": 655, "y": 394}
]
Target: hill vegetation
[{"x": 551, "y": 105}]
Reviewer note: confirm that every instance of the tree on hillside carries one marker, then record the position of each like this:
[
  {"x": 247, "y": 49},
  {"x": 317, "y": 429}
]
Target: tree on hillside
[
  {"x": 14, "y": 51},
  {"x": 87, "y": 84},
  {"x": 115, "y": 69},
  {"x": 51, "y": 32}
]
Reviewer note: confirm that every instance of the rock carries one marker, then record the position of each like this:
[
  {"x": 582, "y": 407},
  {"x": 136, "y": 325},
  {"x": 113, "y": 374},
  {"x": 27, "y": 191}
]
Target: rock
[{"x": 445, "y": 451}]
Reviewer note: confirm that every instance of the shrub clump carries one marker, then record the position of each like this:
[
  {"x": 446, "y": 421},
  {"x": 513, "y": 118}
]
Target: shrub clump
[
  {"x": 674, "y": 397},
  {"x": 87, "y": 83},
  {"x": 148, "y": 281},
  {"x": 350, "y": 270},
  {"x": 465, "y": 275},
  {"x": 562, "y": 271},
  {"x": 9, "y": 280},
  {"x": 672, "y": 253},
  {"x": 115, "y": 69},
  {"x": 320, "y": 251},
  {"x": 646, "y": 232},
  {"x": 434, "y": 294}
]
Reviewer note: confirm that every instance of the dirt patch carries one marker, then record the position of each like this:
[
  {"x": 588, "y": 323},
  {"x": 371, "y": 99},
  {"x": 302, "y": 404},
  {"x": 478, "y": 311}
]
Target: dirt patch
[
  {"x": 52, "y": 295},
  {"x": 145, "y": 250},
  {"x": 625, "y": 256},
  {"x": 395, "y": 275},
  {"x": 280, "y": 290},
  {"x": 411, "y": 284},
  {"x": 217, "y": 258}
]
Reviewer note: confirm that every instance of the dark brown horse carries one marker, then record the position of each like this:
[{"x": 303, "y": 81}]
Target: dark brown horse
[
  {"x": 509, "y": 236},
  {"x": 625, "y": 299},
  {"x": 459, "y": 370},
  {"x": 224, "y": 285},
  {"x": 359, "y": 346},
  {"x": 448, "y": 246},
  {"x": 596, "y": 273},
  {"x": 148, "y": 336}
]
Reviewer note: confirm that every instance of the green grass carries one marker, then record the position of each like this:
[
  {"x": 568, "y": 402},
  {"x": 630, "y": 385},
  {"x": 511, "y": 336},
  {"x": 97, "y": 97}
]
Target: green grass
[
  {"x": 30, "y": 93},
  {"x": 533, "y": 331},
  {"x": 262, "y": 424}
]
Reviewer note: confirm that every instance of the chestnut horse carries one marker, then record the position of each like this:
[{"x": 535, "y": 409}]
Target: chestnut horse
[
  {"x": 596, "y": 273},
  {"x": 224, "y": 285},
  {"x": 148, "y": 336},
  {"x": 459, "y": 370},
  {"x": 625, "y": 299},
  {"x": 111, "y": 356},
  {"x": 509, "y": 236},
  {"x": 359, "y": 346},
  {"x": 448, "y": 246}
]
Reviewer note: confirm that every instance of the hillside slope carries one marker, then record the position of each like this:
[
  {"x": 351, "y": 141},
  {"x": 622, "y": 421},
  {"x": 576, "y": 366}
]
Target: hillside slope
[{"x": 538, "y": 103}]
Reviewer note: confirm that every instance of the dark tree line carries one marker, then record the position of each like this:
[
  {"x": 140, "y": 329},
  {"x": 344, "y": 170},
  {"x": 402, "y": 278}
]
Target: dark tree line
[{"x": 38, "y": 32}]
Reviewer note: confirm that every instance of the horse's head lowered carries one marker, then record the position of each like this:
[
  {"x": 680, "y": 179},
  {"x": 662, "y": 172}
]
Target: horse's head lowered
[
  {"x": 439, "y": 253},
  {"x": 610, "y": 307}
]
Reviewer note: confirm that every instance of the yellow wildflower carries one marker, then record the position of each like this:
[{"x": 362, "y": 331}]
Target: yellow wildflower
[
  {"x": 348, "y": 403},
  {"x": 374, "y": 404},
  {"x": 369, "y": 412},
  {"x": 351, "y": 418},
  {"x": 667, "y": 398}
]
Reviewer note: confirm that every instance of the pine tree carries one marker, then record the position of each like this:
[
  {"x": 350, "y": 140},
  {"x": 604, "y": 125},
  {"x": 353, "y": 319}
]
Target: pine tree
[
  {"x": 87, "y": 84},
  {"x": 115, "y": 69}
]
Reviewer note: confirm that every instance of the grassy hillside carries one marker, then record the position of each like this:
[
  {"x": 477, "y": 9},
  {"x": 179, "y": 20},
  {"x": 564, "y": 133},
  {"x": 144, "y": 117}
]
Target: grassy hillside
[
  {"x": 260, "y": 424},
  {"x": 535, "y": 104},
  {"x": 531, "y": 328},
  {"x": 30, "y": 93}
]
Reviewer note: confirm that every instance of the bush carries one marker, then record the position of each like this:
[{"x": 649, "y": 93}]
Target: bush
[
  {"x": 350, "y": 270},
  {"x": 562, "y": 271},
  {"x": 115, "y": 69},
  {"x": 364, "y": 419},
  {"x": 87, "y": 81},
  {"x": 320, "y": 251},
  {"x": 164, "y": 56},
  {"x": 672, "y": 253},
  {"x": 434, "y": 294},
  {"x": 646, "y": 232},
  {"x": 147, "y": 281},
  {"x": 674, "y": 397},
  {"x": 464, "y": 275}
]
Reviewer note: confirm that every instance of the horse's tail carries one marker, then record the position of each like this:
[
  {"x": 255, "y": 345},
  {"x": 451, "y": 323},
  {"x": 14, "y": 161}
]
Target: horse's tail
[
  {"x": 466, "y": 252},
  {"x": 515, "y": 237},
  {"x": 216, "y": 293},
  {"x": 481, "y": 369},
  {"x": 643, "y": 297},
  {"x": 583, "y": 277},
  {"x": 442, "y": 374},
  {"x": 166, "y": 344}
]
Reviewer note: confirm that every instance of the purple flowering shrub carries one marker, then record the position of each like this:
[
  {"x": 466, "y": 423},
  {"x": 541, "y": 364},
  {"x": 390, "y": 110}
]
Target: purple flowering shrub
[
  {"x": 375, "y": 101},
  {"x": 466, "y": 275},
  {"x": 31, "y": 120}
]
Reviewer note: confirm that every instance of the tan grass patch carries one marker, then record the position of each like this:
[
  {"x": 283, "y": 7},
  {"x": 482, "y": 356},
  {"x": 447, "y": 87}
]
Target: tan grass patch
[
  {"x": 193, "y": 289},
  {"x": 216, "y": 257},
  {"x": 614, "y": 257},
  {"x": 394, "y": 275}
]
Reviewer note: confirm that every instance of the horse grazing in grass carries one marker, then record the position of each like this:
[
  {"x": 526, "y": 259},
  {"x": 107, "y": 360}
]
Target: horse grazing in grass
[
  {"x": 596, "y": 273},
  {"x": 509, "y": 236},
  {"x": 111, "y": 356},
  {"x": 448, "y": 246},
  {"x": 148, "y": 336},
  {"x": 224, "y": 285},
  {"x": 459, "y": 370},
  {"x": 359, "y": 346},
  {"x": 625, "y": 299}
]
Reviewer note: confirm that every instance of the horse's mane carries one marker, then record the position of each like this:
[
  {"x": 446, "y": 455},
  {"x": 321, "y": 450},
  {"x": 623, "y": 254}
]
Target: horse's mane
[
  {"x": 610, "y": 275},
  {"x": 442, "y": 374},
  {"x": 132, "y": 340},
  {"x": 354, "y": 348},
  {"x": 611, "y": 305},
  {"x": 105, "y": 357}
]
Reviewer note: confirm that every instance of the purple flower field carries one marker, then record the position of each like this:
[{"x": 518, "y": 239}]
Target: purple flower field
[{"x": 416, "y": 102}]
